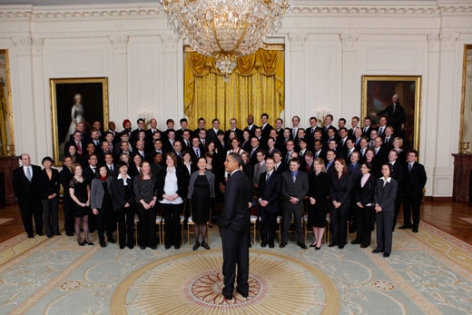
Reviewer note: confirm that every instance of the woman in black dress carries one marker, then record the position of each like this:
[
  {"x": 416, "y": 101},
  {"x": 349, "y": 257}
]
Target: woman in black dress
[
  {"x": 201, "y": 191},
  {"x": 146, "y": 196},
  {"x": 79, "y": 189},
  {"x": 101, "y": 204},
  {"x": 50, "y": 185},
  {"x": 339, "y": 195},
  {"x": 365, "y": 188},
  {"x": 318, "y": 203}
]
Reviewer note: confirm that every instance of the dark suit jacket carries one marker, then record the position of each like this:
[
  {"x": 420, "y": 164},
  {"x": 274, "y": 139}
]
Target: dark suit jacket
[
  {"x": 385, "y": 196},
  {"x": 319, "y": 189},
  {"x": 239, "y": 135},
  {"x": 49, "y": 186},
  {"x": 211, "y": 136},
  {"x": 388, "y": 145},
  {"x": 65, "y": 176},
  {"x": 182, "y": 182},
  {"x": 251, "y": 131},
  {"x": 397, "y": 174},
  {"x": 24, "y": 189},
  {"x": 340, "y": 189},
  {"x": 365, "y": 195},
  {"x": 270, "y": 190},
  {"x": 118, "y": 190},
  {"x": 236, "y": 213},
  {"x": 414, "y": 181},
  {"x": 266, "y": 131},
  {"x": 299, "y": 189}
]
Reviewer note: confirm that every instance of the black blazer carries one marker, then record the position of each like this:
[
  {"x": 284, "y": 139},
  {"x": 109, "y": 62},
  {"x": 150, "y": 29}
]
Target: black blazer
[
  {"x": 182, "y": 182},
  {"x": 49, "y": 186},
  {"x": 24, "y": 189},
  {"x": 65, "y": 176},
  {"x": 385, "y": 196},
  {"x": 118, "y": 190},
  {"x": 414, "y": 181},
  {"x": 319, "y": 188},
  {"x": 365, "y": 195},
  {"x": 236, "y": 213},
  {"x": 270, "y": 190},
  {"x": 340, "y": 189},
  {"x": 298, "y": 189}
]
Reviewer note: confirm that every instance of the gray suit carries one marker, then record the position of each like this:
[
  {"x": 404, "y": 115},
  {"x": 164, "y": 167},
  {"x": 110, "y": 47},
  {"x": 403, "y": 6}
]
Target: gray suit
[
  {"x": 298, "y": 190},
  {"x": 385, "y": 196}
]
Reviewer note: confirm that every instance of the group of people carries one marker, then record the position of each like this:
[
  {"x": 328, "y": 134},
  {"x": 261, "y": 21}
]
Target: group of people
[{"x": 109, "y": 176}]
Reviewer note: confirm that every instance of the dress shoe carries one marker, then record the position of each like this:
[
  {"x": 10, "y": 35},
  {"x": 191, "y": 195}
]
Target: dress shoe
[
  {"x": 302, "y": 245},
  {"x": 40, "y": 234},
  {"x": 245, "y": 295},
  {"x": 122, "y": 246},
  {"x": 414, "y": 230},
  {"x": 386, "y": 255},
  {"x": 167, "y": 247},
  {"x": 312, "y": 245},
  {"x": 57, "y": 233},
  {"x": 249, "y": 245},
  {"x": 228, "y": 296},
  {"x": 70, "y": 234},
  {"x": 89, "y": 243},
  {"x": 282, "y": 245},
  {"x": 196, "y": 246},
  {"x": 205, "y": 245},
  {"x": 317, "y": 248},
  {"x": 142, "y": 247},
  {"x": 375, "y": 251},
  {"x": 30, "y": 236},
  {"x": 271, "y": 246},
  {"x": 177, "y": 246},
  {"x": 131, "y": 246},
  {"x": 404, "y": 227},
  {"x": 332, "y": 245},
  {"x": 263, "y": 244},
  {"x": 355, "y": 242},
  {"x": 81, "y": 243},
  {"x": 49, "y": 236},
  {"x": 341, "y": 246},
  {"x": 111, "y": 240},
  {"x": 103, "y": 244},
  {"x": 364, "y": 246},
  {"x": 154, "y": 247}
]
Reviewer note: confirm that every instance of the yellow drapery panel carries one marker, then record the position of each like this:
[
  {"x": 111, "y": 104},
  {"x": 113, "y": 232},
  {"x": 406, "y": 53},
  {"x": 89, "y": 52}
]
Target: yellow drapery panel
[
  {"x": 4, "y": 115},
  {"x": 256, "y": 86}
]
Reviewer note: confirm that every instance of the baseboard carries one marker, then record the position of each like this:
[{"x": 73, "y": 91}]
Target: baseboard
[{"x": 438, "y": 199}]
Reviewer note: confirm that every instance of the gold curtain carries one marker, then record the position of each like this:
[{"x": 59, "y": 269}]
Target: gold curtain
[
  {"x": 256, "y": 86},
  {"x": 3, "y": 120}
]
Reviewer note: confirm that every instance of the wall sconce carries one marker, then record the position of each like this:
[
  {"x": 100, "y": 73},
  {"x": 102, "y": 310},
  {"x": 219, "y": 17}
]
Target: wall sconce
[
  {"x": 321, "y": 114},
  {"x": 146, "y": 115}
]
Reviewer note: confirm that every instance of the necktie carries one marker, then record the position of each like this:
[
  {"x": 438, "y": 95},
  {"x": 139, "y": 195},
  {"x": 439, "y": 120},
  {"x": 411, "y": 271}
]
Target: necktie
[
  {"x": 198, "y": 153},
  {"x": 267, "y": 177},
  {"x": 409, "y": 167},
  {"x": 94, "y": 169},
  {"x": 351, "y": 167},
  {"x": 362, "y": 152},
  {"x": 294, "y": 178},
  {"x": 28, "y": 174},
  {"x": 312, "y": 130},
  {"x": 386, "y": 139},
  {"x": 364, "y": 130},
  {"x": 394, "y": 107},
  {"x": 111, "y": 168},
  {"x": 381, "y": 131},
  {"x": 79, "y": 148}
]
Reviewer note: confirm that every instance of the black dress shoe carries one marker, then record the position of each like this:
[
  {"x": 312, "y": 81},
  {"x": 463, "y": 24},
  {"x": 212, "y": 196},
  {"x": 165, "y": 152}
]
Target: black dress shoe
[
  {"x": 205, "y": 245},
  {"x": 245, "y": 295},
  {"x": 131, "y": 246},
  {"x": 312, "y": 245},
  {"x": 167, "y": 247},
  {"x": 331, "y": 245},
  {"x": 404, "y": 227},
  {"x": 154, "y": 247},
  {"x": 228, "y": 297},
  {"x": 364, "y": 246},
  {"x": 386, "y": 255},
  {"x": 355, "y": 242},
  {"x": 89, "y": 243},
  {"x": 103, "y": 244},
  {"x": 40, "y": 234},
  {"x": 263, "y": 244},
  {"x": 142, "y": 247},
  {"x": 122, "y": 246},
  {"x": 49, "y": 236},
  {"x": 196, "y": 246},
  {"x": 271, "y": 246},
  {"x": 70, "y": 234},
  {"x": 302, "y": 245},
  {"x": 81, "y": 243},
  {"x": 317, "y": 248},
  {"x": 282, "y": 245},
  {"x": 177, "y": 246},
  {"x": 30, "y": 236},
  {"x": 375, "y": 251},
  {"x": 414, "y": 230},
  {"x": 341, "y": 246},
  {"x": 111, "y": 240}
]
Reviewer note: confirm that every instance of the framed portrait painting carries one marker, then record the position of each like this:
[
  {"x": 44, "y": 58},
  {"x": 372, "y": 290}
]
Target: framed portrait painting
[
  {"x": 6, "y": 114},
  {"x": 76, "y": 101},
  {"x": 377, "y": 100}
]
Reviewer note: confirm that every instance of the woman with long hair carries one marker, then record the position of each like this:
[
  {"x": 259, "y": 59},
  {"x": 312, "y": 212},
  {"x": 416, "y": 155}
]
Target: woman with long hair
[
  {"x": 339, "y": 193},
  {"x": 145, "y": 191},
  {"x": 101, "y": 203},
  {"x": 364, "y": 189},
  {"x": 317, "y": 201},
  {"x": 384, "y": 197},
  {"x": 50, "y": 185},
  {"x": 171, "y": 189},
  {"x": 398, "y": 146},
  {"x": 135, "y": 165},
  {"x": 79, "y": 189},
  {"x": 201, "y": 192}
]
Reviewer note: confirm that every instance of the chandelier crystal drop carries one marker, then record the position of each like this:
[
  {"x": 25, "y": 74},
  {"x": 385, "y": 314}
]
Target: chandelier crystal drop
[{"x": 225, "y": 29}]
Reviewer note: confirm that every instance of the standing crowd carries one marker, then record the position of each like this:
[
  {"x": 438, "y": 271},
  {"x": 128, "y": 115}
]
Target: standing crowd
[{"x": 359, "y": 176}]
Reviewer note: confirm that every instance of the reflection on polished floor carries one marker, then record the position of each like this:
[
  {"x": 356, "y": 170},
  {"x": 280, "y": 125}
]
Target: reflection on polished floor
[{"x": 451, "y": 217}]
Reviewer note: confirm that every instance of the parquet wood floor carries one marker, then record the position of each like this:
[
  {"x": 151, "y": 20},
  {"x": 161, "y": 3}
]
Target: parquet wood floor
[{"x": 444, "y": 215}]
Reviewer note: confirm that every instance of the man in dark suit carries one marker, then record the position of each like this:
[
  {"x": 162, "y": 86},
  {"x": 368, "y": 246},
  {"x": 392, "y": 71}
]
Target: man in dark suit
[
  {"x": 294, "y": 188},
  {"x": 76, "y": 141},
  {"x": 211, "y": 134},
  {"x": 279, "y": 127},
  {"x": 250, "y": 125},
  {"x": 27, "y": 190},
  {"x": 388, "y": 139},
  {"x": 414, "y": 180},
  {"x": 397, "y": 174},
  {"x": 354, "y": 127},
  {"x": 395, "y": 115},
  {"x": 234, "y": 225},
  {"x": 367, "y": 127},
  {"x": 280, "y": 167},
  {"x": 201, "y": 125},
  {"x": 266, "y": 127},
  {"x": 233, "y": 123},
  {"x": 268, "y": 191},
  {"x": 183, "y": 126},
  {"x": 68, "y": 204},
  {"x": 135, "y": 132},
  {"x": 151, "y": 131}
]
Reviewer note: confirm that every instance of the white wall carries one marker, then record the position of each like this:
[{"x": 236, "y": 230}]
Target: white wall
[{"x": 329, "y": 46}]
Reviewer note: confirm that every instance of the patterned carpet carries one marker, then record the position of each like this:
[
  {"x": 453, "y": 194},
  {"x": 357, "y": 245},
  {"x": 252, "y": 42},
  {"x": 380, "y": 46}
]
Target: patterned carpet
[{"x": 428, "y": 273}]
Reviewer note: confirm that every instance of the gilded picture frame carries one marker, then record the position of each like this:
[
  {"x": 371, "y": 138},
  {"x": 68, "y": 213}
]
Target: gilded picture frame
[
  {"x": 67, "y": 111},
  {"x": 465, "y": 132},
  {"x": 377, "y": 93},
  {"x": 7, "y": 138}
]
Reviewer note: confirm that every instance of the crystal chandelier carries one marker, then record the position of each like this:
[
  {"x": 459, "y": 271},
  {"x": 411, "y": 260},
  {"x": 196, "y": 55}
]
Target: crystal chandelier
[{"x": 225, "y": 29}]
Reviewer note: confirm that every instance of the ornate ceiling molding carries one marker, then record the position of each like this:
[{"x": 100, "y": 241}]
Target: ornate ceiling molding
[{"x": 147, "y": 10}]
